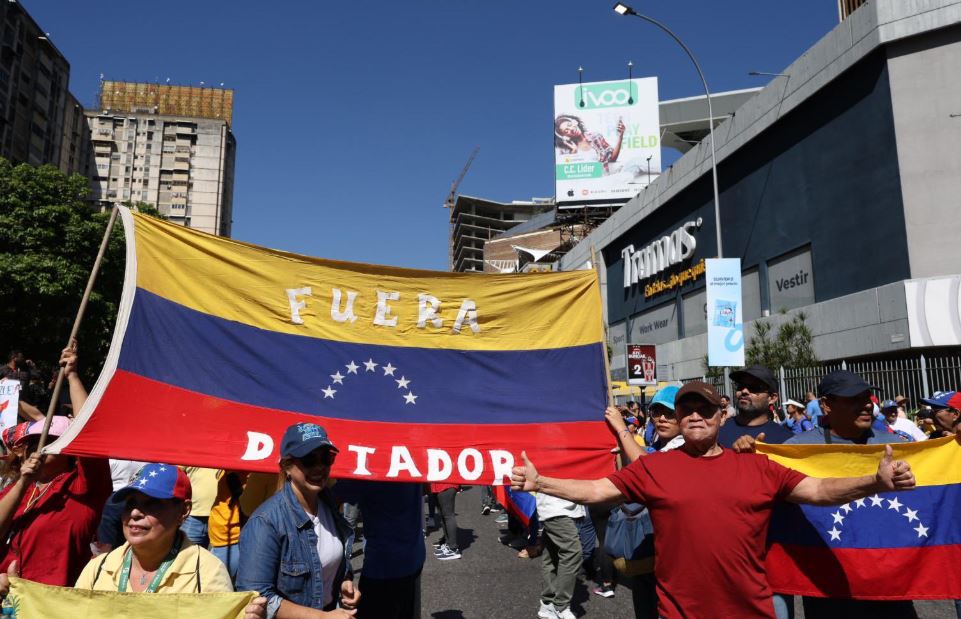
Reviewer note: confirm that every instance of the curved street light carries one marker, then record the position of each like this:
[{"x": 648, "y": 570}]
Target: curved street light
[{"x": 623, "y": 9}]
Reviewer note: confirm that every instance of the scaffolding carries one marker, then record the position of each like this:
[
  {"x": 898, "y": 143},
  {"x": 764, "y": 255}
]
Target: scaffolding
[{"x": 167, "y": 100}]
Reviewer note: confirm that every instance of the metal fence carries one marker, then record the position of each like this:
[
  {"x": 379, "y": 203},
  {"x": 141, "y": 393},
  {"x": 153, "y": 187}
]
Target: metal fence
[{"x": 911, "y": 377}]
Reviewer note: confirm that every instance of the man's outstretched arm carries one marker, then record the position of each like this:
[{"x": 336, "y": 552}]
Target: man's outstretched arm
[
  {"x": 583, "y": 491},
  {"x": 892, "y": 475}
]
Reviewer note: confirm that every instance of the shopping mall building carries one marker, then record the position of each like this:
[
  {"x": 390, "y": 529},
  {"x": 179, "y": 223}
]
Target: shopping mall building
[{"x": 840, "y": 191}]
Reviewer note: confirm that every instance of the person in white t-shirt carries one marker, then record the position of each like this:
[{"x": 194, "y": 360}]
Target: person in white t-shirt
[{"x": 903, "y": 425}]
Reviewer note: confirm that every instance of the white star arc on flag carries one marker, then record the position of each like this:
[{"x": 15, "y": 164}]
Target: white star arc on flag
[
  {"x": 876, "y": 501},
  {"x": 370, "y": 366}
]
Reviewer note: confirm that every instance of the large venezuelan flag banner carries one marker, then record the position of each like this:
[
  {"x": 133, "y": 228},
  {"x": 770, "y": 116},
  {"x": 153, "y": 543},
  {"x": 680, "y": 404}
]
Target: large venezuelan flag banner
[
  {"x": 416, "y": 375},
  {"x": 890, "y": 546}
]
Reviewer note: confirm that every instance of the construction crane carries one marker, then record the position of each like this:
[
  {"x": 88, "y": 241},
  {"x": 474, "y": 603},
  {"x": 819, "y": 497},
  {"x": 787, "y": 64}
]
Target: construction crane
[{"x": 452, "y": 196}]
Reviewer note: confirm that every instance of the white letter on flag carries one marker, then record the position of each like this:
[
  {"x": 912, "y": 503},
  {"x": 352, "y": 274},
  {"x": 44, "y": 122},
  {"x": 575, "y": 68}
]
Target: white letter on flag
[
  {"x": 470, "y": 474},
  {"x": 362, "y": 453},
  {"x": 348, "y": 313},
  {"x": 400, "y": 460},
  {"x": 468, "y": 311},
  {"x": 383, "y": 310},
  {"x": 439, "y": 465},
  {"x": 503, "y": 462},
  {"x": 295, "y": 304},
  {"x": 259, "y": 446},
  {"x": 427, "y": 311}
]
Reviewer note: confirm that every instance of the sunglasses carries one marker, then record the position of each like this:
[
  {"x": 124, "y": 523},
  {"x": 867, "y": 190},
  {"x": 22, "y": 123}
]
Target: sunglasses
[
  {"x": 663, "y": 411},
  {"x": 323, "y": 457}
]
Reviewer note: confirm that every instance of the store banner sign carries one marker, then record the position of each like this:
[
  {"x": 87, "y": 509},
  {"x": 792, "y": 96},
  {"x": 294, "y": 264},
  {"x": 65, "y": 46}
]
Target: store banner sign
[
  {"x": 725, "y": 325},
  {"x": 641, "y": 364},
  {"x": 606, "y": 140}
]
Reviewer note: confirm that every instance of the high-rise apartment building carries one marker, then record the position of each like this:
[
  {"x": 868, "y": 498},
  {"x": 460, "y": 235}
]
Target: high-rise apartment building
[
  {"x": 33, "y": 90},
  {"x": 168, "y": 146}
]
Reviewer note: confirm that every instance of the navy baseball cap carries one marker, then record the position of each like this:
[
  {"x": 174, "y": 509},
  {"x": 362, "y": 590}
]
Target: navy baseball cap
[
  {"x": 888, "y": 404},
  {"x": 843, "y": 383},
  {"x": 160, "y": 481},
  {"x": 761, "y": 373},
  {"x": 302, "y": 438}
]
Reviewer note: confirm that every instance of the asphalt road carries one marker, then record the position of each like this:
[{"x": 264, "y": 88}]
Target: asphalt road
[{"x": 491, "y": 582}]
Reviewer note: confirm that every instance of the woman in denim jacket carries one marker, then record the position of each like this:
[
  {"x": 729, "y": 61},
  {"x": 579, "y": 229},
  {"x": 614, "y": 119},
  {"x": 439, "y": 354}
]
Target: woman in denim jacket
[{"x": 295, "y": 549}]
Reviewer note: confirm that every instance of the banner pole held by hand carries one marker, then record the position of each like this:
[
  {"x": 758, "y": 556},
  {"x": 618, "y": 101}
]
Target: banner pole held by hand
[
  {"x": 55, "y": 397},
  {"x": 607, "y": 362}
]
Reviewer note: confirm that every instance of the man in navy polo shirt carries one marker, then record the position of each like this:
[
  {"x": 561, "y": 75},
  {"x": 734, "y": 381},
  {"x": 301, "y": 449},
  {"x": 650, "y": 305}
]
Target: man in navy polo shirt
[{"x": 755, "y": 392}]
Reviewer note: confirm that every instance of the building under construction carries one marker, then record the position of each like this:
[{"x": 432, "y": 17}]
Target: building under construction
[
  {"x": 167, "y": 100},
  {"x": 169, "y": 146}
]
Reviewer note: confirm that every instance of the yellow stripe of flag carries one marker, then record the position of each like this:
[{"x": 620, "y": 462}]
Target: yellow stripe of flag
[
  {"x": 936, "y": 462},
  {"x": 249, "y": 284}
]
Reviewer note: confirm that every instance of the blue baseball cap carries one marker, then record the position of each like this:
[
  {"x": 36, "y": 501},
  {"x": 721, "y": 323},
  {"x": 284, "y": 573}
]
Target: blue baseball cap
[
  {"x": 939, "y": 399},
  {"x": 888, "y": 404},
  {"x": 665, "y": 396},
  {"x": 302, "y": 438},
  {"x": 160, "y": 481}
]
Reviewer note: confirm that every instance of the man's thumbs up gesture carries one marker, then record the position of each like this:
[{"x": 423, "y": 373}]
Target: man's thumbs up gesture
[
  {"x": 894, "y": 474},
  {"x": 524, "y": 477}
]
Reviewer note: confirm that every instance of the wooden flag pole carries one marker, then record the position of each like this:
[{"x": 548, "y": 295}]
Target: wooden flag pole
[
  {"x": 607, "y": 362},
  {"x": 55, "y": 397}
]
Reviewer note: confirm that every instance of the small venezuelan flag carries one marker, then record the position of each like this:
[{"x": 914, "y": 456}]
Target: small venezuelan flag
[{"x": 889, "y": 546}]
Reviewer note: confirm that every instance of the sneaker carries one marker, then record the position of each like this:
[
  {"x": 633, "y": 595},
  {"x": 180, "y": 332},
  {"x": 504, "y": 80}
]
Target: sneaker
[
  {"x": 546, "y": 611},
  {"x": 502, "y": 519},
  {"x": 438, "y": 543},
  {"x": 565, "y": 614},
  {"x": 448, "y": 553},
  {"x": 605, "y": 591},
  {"x": 486, "y": 510}
]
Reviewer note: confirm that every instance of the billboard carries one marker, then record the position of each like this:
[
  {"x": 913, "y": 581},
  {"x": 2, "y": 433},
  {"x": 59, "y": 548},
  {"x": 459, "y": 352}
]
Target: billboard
[
  {"x": 606, "y": 140},
  {"x": 641, "y": 364}
]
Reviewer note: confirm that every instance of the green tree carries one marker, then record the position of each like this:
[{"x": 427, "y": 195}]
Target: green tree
[
  {"x": 49, "y": 237},
  {"x": 789, "y": 346}
]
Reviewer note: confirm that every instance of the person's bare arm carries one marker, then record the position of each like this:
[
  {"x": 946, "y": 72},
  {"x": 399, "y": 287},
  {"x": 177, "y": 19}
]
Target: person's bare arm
[
  {"x": 892, "y": 475},
  {"x": 29, "y": 411},
  {"x": 78, "y": 393},
  {"x": 583, "y": 491},
  {"x": 630, "y": 450}
]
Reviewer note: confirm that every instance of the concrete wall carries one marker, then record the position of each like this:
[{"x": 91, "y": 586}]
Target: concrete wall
[{"x": 925, "y": 76}]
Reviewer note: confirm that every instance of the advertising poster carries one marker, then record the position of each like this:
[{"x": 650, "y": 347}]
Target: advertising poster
[
  {"x": 641, "y": 364},
  {"x": 725, "y": 325},
  {"x": 9, "y": 402},
  {"x": 606, "y": 140}
]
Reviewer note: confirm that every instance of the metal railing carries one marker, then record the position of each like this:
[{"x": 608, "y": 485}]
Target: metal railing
[{"x": 911, "y": 377}]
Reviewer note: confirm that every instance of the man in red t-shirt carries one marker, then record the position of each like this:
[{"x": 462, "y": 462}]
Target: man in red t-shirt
[{"x": 711, "y": 508}]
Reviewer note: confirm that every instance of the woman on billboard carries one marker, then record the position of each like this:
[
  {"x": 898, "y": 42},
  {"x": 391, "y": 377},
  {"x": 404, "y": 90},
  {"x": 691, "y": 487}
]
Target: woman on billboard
[{"x": 571, "y": 137}]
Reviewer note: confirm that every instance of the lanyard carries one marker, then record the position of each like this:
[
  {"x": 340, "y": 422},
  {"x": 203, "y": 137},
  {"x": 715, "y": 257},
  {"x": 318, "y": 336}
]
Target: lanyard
[{"x": 158, "y": 575}]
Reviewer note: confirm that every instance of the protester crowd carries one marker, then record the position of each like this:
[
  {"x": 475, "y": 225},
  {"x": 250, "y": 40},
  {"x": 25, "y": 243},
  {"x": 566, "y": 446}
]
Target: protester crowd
[{"x": 290, "y": 536}]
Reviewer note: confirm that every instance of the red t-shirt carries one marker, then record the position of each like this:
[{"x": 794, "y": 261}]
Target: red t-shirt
[
  {"x": 710, "y": 517},
  {"x": 51, "y": 541}
]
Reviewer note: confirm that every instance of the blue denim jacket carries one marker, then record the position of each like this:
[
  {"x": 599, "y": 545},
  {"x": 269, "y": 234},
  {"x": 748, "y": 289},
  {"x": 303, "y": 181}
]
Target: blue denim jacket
[{"x": 278, "y": 553}]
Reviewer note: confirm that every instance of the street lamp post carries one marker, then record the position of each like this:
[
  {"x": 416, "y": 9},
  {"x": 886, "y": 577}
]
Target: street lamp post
[{"x": 623, "y": 9}]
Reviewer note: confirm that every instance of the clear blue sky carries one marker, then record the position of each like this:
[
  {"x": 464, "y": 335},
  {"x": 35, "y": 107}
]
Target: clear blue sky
[{"x": 353, "y": 118}]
